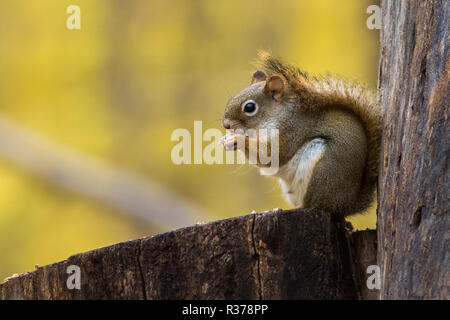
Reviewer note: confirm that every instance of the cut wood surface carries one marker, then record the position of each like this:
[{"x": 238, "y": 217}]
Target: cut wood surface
[{"x": 296, "y": 254}]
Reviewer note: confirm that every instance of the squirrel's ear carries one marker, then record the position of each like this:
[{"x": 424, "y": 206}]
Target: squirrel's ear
[
  {"x": 275, "y": 86},
  {"x": 258, "y": 76}
]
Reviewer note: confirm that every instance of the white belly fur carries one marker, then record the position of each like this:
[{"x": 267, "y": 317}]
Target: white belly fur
[{"x": 295, "y": 175}]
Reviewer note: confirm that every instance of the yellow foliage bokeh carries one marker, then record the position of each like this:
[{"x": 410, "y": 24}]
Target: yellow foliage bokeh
[{"x": 135, "y": 71}]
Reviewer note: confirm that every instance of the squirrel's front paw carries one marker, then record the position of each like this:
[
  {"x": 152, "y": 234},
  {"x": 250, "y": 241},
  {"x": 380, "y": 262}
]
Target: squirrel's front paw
[{"x": 229, "y": 142}]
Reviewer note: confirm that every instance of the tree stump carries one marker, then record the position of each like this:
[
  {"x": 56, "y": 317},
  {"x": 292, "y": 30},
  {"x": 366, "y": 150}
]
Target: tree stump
[{"x": 296, "y": 254}]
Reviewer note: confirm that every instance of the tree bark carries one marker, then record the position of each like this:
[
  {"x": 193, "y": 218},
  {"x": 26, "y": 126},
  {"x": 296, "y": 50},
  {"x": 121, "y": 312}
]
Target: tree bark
[
  {"x": 413, "y": 203},
  {"x": 364, "y": 246},
  {"x": 297, "y": 254}
]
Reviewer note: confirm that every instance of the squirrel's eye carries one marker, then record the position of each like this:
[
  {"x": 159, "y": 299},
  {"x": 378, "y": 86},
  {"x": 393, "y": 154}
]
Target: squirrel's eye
[{"x": 250, "y": 107}]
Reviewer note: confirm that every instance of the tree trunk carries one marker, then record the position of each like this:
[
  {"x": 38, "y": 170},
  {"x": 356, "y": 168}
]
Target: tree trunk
[
  {"x": 297, "y": 254},
  {"x": 413, "y": 204}
]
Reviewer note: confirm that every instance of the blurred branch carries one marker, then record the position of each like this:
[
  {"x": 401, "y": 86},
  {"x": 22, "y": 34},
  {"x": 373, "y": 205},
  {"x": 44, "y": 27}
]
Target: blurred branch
[{"x": 95, "y": 179}]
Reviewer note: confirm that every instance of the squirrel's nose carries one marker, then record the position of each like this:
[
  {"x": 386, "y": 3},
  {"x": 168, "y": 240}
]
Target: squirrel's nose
[{"x": 226, "y": 123}]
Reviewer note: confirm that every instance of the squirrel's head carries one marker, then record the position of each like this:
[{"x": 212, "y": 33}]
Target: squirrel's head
[{"x": 257, "y": 106}]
